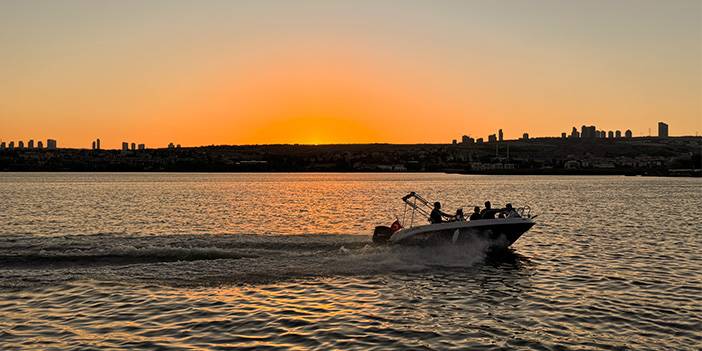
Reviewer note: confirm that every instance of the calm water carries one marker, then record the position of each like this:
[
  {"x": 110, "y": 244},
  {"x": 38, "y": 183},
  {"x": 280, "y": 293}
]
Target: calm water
[{"x": 266, "y": 261}]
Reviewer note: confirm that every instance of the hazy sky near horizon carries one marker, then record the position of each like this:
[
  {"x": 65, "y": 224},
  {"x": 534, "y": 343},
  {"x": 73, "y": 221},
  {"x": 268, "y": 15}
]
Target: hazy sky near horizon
[{"x": 316, "y": 71}]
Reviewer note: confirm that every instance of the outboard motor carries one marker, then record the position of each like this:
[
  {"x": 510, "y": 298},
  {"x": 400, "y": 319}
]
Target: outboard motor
[{"x": 382, "y": 233}]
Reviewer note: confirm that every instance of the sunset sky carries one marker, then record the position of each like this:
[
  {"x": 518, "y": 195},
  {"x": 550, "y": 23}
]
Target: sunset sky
[{"x": 258, "y": 72}]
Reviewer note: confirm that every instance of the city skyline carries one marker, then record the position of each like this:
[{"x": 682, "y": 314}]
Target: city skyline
[
  {"x": 317, "y": 72},
  {"x": 585, "y": 132}
]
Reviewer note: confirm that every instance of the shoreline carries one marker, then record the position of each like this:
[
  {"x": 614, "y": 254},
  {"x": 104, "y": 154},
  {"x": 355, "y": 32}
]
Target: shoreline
[
  {"x": 675, "y": 156},
  {"x": 525, "y": 172}
]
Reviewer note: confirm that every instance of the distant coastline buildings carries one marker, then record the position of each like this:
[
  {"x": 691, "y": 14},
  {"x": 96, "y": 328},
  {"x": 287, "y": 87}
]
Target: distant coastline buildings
[
  {"x": 585, "y": 132},
  {"x": 96, "y": 144},
  {"x": 10, "y": 145}
]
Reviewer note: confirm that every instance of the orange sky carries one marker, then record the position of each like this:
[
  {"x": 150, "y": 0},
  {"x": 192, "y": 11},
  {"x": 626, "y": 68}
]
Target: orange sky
[{"x": 222, "y": 72}]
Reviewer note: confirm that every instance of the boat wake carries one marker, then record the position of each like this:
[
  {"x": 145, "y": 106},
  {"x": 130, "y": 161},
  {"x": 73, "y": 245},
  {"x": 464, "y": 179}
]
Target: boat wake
[{"x": 207, "y": 260}]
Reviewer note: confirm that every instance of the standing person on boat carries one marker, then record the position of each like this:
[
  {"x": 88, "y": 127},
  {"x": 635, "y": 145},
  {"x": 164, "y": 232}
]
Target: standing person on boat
[
  {"x": 487, "y": 212},
  {"x": 476, "y": 214},
  {"x": 436, "y": 215}
]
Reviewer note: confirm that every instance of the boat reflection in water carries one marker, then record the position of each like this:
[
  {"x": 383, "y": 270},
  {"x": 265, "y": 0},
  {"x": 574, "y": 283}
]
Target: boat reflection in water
[{"x": 494, "y": 233}]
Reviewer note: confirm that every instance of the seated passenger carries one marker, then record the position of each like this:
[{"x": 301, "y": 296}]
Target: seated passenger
[
  {"x": 487, "y": 212},
  {"x": 436, "y": 215},
  {"x": 459, "y": 215},
  {"x": 510, "y": 212},
  {"x": 476, "y": 214}
]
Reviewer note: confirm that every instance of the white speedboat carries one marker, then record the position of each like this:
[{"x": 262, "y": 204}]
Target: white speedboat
[{"x": 497, "y": 233}]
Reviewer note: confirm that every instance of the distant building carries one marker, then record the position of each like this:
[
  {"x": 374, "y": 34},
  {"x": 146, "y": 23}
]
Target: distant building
[
  {"x": 92, "y": 147},
  {"x": 11, "y": 146},
  {"x": 628, "y": 134},
  {"x": 51, "y": 144},
  {"x": 492, "y": 138},
  {"x": 171, "y": 146},
  {"x": 467, "y": 139},
  {"x": 40, "y": 144},
  {"x": 479, "y": 140},
  {"x": 610, "y": 134},
  {"x": 97, "y": 144},
  {"x": 525, "y": 136},
  {"x": 618, "y": 134},
  {"x": 133, "y": 146},
  {"x": 588, "y": 132},
  {"x": 178, "y": 146},
  {"x": 571, "y": 164},
  {"x": 30, "y": 144},
  {"x": 564, "y": 135},
  {"x": 142, "y": 146},
  {"x": 2, "y": 146},
  {"x": 20, "y": 144},
  {"x": 125, "y": 146},
  {"x": 500, "y": 136},
  {"x": 454, "y": 141},
  {"x": 662, "y": 130},
  {"x": 574, "y": 133}
]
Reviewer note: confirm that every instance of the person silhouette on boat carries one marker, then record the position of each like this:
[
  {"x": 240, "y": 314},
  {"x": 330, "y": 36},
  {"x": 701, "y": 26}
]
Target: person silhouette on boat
[
  {"x": 487, "y": 212},
  {"x": 510, "y": 212},
  {"x": 459, "y": 215},
  {"x": 436, "y": 216},
  {"x": 476, "y": 214}
]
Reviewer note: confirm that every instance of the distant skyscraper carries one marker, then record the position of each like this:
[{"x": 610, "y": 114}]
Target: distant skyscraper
[
  {"x": 492, "y": 138},
  {"x": 125, "y": 146},
  {"x": 588, "y": 132},
  {"x": 142, "y": 146},
  {"x": 610, "y": 134},
  {"x": 133, "y": 146},
  {"x": 564, "y": 135},
  {"x": 11, "y": 145},
  {"x": 51, "y": 144},
  {"x": 97, "y": 144},
  {"x": 467, "y": 140},
  {"x": 40, "y": 144},
  {"x": 628, "y": 134},
  {"x": 500, "y": 136},
  {"x": 574, "y": 133},
  {"x": 662, "y": 130},
  {"x": 618, "y": 134},
  {"x": 454, "y": 141},
  {"x": 30, "y": 144},
  {"x": 479, "y": 140},
  {"x": 171, "y": 146},
  {"x": 525, "y": 136},
  {"x": 2, "y": 146},
  {"x": 20, "y": 144},
  {"x": 93, "y": 145}
]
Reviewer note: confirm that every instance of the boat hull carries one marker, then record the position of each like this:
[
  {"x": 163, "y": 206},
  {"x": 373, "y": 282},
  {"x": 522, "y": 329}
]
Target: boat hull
[{"x": 495, "y": 233}]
